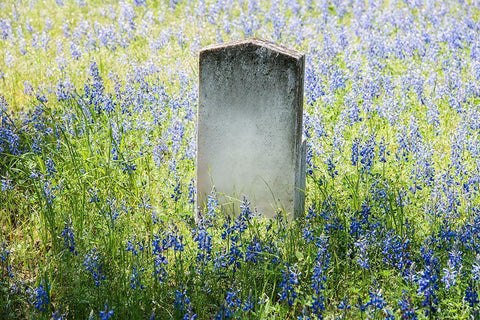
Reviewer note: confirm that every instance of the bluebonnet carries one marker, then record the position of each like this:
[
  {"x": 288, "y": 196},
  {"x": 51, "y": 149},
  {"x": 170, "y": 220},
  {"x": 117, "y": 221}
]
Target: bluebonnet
[
  {"x": 177, "y": 191},
  {"x": 476, "y": 269},
  {"x": 244, "y": 218},
  {"x": 94, "y": 89},
  {"x": 135, "y": 246},
  {"x": 93, "y": 264},
  {"x": 5, "y": 28},
  {"x": 454, "y": 268},
  {"x": 307, "y": 233},
  {"x": 111, "y": 212},
  {"x": 331, "y": 167},
  {"x": 235, "y": 254},
  {"x": 9, "y": 135},
  {"x": 319, "y": 277},
  {"x": 107, "y": 313},
  {"x": 48, "y": 191},
  {"x": 289, "y": 284},
  {"x": 64, "y": 90},
  {"x": 253, "y": 251},
  {"x": 173, "y": 240},
  {"x": 232, "y": 300},
  {"x": 355, "y": 227},
  {"x": 309, "y": 161},
  {"x": 367, "y": 154},
  {"x": 128, "y": 166},
  {"x": 212, "y": 204},
  {"x": 135, "y": 279},
  {"x": 160, "y": 260},
  {"x": 423, "y": 172},
  {"x": 230, "y": 306},
  {"x": 407, "y": 309},
  {"x": 352, "y": 110},
  {"x": 344, "y": 305},
  {"x": 176, "y": 132},
  {"x": 204, "y": 243},
  {"x": 360, "y": 305},
  {"x": 376, "y": 302},
  {"x": 329, "y": 214},
  {"x": 40, "y": 296},
  {"x": 314, "y": 88},
  {"x": 396, "y": 251},
  {"x": 69, "y": 237},
  {"x": 248, "y": 304},
  {"x": 154, "y": 217},
  {"x": 191, "y": 191},
  {"x": 140, "y": 3},
  {"x": 93, "y": 195},
  {"x": 41, "y": 98},
  {"x": 362, "y": 246},
  {"x": 389, "y": 315},
  {"x": 427, "y": 281},
  {"x": 337, "y": 80},
  {"x": 4, "y": 252},
  {"x": 449, "y": 277},
  {"x": 184, "y": 305},
  {"x": 471, "y": 295},
  {"x": 355, "y": 151},
  {"x": 382, "y": 151},
  {"x": 4, "y": 261},
  {"x": 6, "y": 184},
  {"x": 160, "y": 272},
  {"x": 220, "y": 260},
  {"x": 312, "y": 211}
]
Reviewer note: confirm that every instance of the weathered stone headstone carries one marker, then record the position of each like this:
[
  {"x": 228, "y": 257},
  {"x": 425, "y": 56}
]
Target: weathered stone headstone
[{"x": 250, "y": 126}]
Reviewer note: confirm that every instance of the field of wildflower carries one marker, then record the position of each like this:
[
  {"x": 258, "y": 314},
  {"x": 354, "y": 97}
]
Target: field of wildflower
[{"x": 97, "y": 163}]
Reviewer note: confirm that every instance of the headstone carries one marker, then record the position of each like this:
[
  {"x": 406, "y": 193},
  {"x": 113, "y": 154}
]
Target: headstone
[{"x": 249, "y": 126}]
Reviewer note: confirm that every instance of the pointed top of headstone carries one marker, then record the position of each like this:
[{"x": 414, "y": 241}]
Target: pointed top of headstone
[{"x": 255, "y": 42}]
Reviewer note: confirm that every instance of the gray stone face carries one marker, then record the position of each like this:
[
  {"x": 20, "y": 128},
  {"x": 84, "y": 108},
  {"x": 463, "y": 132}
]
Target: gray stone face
[{"x": 250, "y": 126}]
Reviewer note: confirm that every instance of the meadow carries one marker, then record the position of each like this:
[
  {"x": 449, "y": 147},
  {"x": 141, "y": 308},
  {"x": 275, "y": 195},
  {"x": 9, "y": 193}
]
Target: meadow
[{"x": 97, "y": 163}]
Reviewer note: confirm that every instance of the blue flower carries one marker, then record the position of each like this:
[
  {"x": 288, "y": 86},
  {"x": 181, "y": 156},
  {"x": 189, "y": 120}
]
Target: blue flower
[
  {"x": 177, "y": 191},
  {"x": 50, "y": 164},
  {"x": 248, "y": 304},
  {"x": 427, "y": 281},
  {"x": 135, "y": 278},
  {"x": 355, "y": 152},
  {"x": 40, "y": 296},
  {"x": 105, "y": 314},
  {"x": 4, "y": 252},
  {"x": 471, "y": 295},
  {"x": 362, "y": 246},
  {"x": 93, "y": 265},
  {"x": 377, "y": 302},
  {"x": 331, "y": 168},
  {"x": 6, "y": 184},
  {"x": 254, "y": 249},
  {"x": 407, "y": 309},
  {"x": 288, "y": 285},
  {"x": 307, "y": 233},
  {"x": 69, "y": 237},
  {"x": 48, "y": 192},
  {"x": 319, "y": 278},
  {"x": 184, "y": 305},
  {"x": 204, "y": 243}
]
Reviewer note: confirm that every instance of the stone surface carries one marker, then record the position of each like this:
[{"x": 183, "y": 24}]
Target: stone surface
[{"x": 250, "y": 126}]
